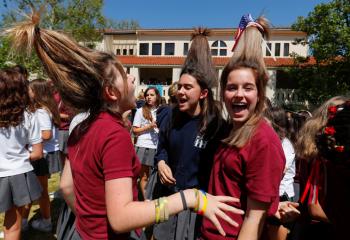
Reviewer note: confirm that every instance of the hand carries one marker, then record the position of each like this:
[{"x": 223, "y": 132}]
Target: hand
[
  {"x": 217, "y": 207},
  {"x": 165, "y": 174},
  {"x": 153, "y": 125},
  {"x": 287, "y": 211}
]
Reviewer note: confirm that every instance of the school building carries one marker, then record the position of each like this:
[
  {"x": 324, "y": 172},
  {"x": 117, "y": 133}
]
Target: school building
[{"x": 155, "y": 56}]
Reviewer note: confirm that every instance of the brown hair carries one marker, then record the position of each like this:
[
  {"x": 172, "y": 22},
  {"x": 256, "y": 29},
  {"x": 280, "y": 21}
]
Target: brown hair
[
  {"x": 43, "y": 98},
  {"x": 14, "y": 99},
  {"x": 199, "y": 65},
  {"x": 79, "y": 73},
  {"x": 146, "y": 109},
  {"x": 306, "y": 142},
  {"x": 248, "y": 55}
]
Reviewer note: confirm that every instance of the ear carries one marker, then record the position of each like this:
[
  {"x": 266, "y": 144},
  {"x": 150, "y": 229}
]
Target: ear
[
  {"x": 204, "y": 94},
  {"x": 111, "y": 94}
]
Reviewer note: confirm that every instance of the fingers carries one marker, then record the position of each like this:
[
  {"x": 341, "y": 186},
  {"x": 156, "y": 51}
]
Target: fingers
[
  {"x": 165, "y": 178},
  {"x": 168, "y": 174},
  {"x": 223, "y": 216},
  {"x": 229, "y": 208},
  {"x": 226, "y": 199},
  {"x": 217, "y": 224}
]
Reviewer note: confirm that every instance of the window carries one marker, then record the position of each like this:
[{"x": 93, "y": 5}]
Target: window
[
  {"x": 118, "y": 51},
  {"x": 131, "y": 51},
  {"x": 156, "y": 49},
  {"x": 286, "y": 49},
  {"x": 144, "y": 49},
  {"x": 125, "y": 51},
  {"x": 169, "y": 49},
  {"x": 269, "y": 46},
  {"x": 185, "y": 48},
  {"x": 219, "y": 48},
  {"x": 277, "y": 49}
]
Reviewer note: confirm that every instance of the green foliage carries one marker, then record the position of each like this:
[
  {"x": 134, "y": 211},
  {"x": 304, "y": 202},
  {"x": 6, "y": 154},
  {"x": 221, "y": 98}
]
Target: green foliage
[{"x": 328, "y": 31}]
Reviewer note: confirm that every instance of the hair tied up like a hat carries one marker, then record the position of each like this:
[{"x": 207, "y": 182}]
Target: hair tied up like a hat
[{"x": 200, "y": 31}]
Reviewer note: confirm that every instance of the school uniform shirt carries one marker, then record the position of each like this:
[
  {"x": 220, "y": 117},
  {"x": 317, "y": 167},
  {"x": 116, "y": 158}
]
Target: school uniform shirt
[
  {"x": 14, "y": 156},
  {"x": 103, "y": 153},
  {"x": 288, "y": 178},
  {"x": 46, "y": 123},
  {"x": 148, "y": 139},
  {"x": 187, "y": 153},
  {"x": 254, "y": 171}
]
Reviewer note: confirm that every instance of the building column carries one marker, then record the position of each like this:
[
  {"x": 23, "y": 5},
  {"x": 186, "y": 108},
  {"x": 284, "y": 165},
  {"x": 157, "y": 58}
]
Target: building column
[
  {"x": 271, "y": 85},
  {"x": 136, "y": 73},
  {"x": 176, "y": 74}
]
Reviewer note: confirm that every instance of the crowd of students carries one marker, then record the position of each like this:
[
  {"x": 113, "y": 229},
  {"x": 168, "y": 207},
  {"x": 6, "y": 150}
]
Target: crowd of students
[{"x": 199, "y": 169}]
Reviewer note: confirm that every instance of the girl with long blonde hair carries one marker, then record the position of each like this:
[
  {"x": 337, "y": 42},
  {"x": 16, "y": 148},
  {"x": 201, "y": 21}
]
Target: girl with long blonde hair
[{"x": 249, "y": 163}]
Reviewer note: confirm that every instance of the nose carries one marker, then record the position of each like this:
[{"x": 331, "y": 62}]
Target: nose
[
  {"x": 239, "y": 92},
  {"x": 180, "y": 90}
]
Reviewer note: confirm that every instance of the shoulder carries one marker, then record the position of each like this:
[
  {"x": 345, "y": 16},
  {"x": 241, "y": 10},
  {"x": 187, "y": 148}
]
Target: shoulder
[
  {"x": 265, "y": 134},
  {"x": 106, "y": 123},
  {"x": 40, "y": 112}
]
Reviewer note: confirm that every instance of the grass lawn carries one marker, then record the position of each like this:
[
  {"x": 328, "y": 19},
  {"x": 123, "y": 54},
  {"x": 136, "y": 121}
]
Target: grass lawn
[{"x": 35, "y": 213}]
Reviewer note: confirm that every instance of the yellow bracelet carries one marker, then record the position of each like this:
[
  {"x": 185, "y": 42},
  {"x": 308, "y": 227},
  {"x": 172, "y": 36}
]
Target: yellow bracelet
[
  {"x": 205, "y": 204},
  {"x": 157, "y": 211},
  {"x": 163, "y": 209},
  {"x": 196, "y": 193}
]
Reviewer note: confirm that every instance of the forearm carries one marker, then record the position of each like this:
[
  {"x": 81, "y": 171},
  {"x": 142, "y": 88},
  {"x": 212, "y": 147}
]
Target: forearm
[
  {"x": 252, "y": 228},
  {"x": 139, "y": 214},
  {"x": 141, "y": 130}
]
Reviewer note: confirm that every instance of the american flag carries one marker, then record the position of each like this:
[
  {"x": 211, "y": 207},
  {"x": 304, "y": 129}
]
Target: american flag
[{"x": 245, "y": 19}]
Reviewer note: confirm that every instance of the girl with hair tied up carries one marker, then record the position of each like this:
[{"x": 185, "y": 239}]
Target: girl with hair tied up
[
  {"x": 188, "y": 136},
  {"x": 249, "y": 162},
  {"x": 102, "y": 165},
  {"x": 18, "y": 128}
]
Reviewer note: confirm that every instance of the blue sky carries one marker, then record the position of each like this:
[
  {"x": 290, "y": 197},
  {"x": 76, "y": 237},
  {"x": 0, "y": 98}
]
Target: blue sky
[{"x": 217, "y": 13}]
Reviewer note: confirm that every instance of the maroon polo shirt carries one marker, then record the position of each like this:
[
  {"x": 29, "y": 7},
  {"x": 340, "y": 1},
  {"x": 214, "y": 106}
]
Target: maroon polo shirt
[
  {"x": 253, "y": 171},
  {"x": 104, "y": 153}
]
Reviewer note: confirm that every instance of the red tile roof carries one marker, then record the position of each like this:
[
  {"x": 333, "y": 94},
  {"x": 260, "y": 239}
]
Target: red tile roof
[{"x": 178, "y": 61}]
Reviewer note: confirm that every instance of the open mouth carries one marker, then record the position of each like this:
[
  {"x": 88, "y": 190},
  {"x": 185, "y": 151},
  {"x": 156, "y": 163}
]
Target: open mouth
[
  {"x": 182, "y": 101},
  {"x": 238, "y": 107}
]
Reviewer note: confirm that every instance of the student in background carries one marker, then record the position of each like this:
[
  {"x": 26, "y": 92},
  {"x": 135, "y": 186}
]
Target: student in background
[
  {"x": 146, "y": 130},
  {"x": 46, "y": 111},
  {"x": 18, "y": 128}
]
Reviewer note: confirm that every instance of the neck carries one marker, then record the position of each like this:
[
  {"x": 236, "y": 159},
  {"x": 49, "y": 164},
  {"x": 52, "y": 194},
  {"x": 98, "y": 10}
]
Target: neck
[{"x": 194, "y": 112}]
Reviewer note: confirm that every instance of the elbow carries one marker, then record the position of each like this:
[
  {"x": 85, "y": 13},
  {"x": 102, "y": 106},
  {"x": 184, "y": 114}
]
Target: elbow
[
  {"x": 36, "y": 156},
  {"x": 67, "y": 189},
  {"x": 118, "y": 225}
]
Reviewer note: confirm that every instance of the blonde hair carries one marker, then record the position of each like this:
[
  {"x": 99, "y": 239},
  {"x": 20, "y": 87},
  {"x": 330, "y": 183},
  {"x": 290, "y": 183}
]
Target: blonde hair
[
  {"x": 306, "y": 141},
  {"x": 79, "y": 73},
  {"x": 248, "y": 55}
]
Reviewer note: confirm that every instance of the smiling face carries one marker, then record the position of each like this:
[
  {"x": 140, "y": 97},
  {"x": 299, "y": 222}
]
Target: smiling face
[
  {"x": 241, "y": 95},
  {"x": 189, "y": 94}
]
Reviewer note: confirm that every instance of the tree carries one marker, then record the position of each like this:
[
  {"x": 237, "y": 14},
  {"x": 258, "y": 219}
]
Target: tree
[
  {"x": 328, "y": 36},
  {"x": 83, "y": 20}
]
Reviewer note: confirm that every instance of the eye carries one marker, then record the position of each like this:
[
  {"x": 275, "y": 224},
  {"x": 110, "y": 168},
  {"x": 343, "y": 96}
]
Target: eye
[{"x": 231, "y": 88}]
